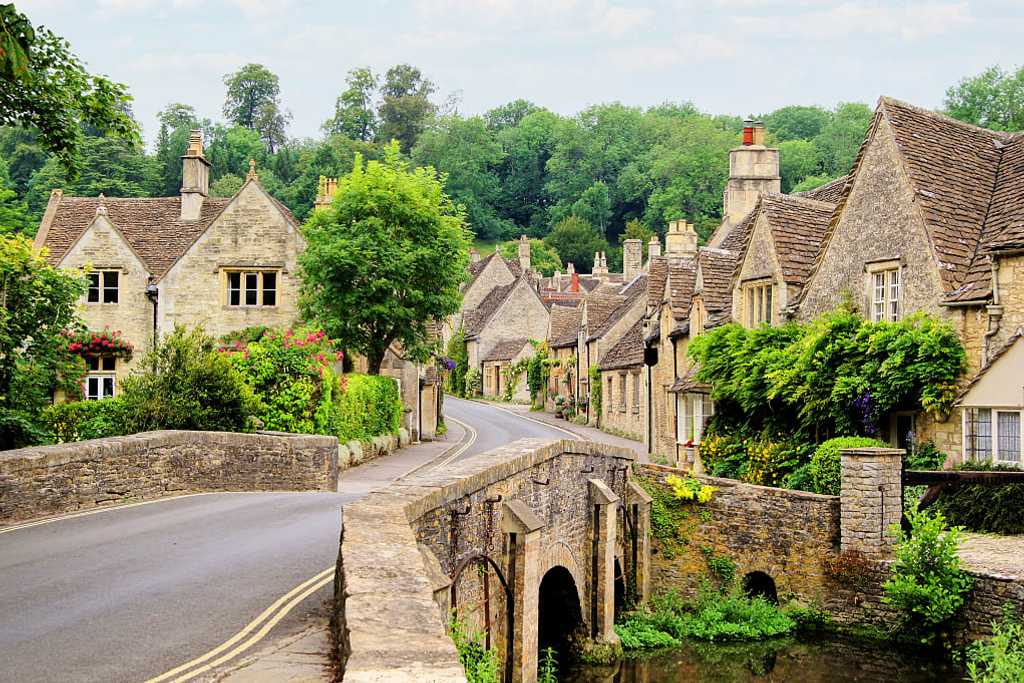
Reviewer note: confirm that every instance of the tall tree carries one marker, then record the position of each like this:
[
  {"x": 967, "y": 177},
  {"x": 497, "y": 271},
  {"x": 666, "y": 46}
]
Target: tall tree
[
  {"x": 14, "y": 214},
  {"x": 405, "y": 108},
  {"x": 43, "y": 85},
  {"x": 576, "y": 241},
  {"x": 385, "y": 259},
  {"x": 527, "y": 146},
  {"x": 176, "y": 120},
  {"x": 543, "y": 258},
  {"x": 993, "y": 99},
  {"x": 842, "y": 136},
  {"x": 510, "y": 115},
  {"x": 595, "y": 207},
  {"x": 354, "y": 115},
  {"x": 253, "y": 101},
  {"x": 798, "y": 159},
  {"x": 796, "y": 122}
]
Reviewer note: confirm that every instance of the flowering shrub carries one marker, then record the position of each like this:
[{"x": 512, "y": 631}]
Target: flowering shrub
[
  {"x": 689, "y": 489},
  {"x": 87, "y": 343}
]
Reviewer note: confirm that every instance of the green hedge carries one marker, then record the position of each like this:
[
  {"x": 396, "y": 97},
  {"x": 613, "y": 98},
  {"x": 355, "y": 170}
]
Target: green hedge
[
  {"x": 825, "y": 463},
  {"x": 978, "y": 507},
  {"x": 369, "y": 406},
  {"x": 81, "y": 420}
]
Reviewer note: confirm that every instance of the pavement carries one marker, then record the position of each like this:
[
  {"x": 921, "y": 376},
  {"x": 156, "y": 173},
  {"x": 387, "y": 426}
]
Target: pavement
[{"x": 225, "y": 586}]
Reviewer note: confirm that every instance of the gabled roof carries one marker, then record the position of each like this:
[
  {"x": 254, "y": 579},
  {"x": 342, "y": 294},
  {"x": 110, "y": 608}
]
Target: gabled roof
[
  {"x": 1014, "y": 338},
  {"x": 716, "y": 267},
  {"x": 152, "y": 226},
  {"x": 1004, "y": 228},
  {"x": 475, "y": 269},
  {"x": 507, "y": 349},
  {"x": 682, "y": 278},
  {"x": 829, "y": 192},
  {"x": 600, "y": 305},
  {"x": 636, "y": 288},
  {"x": 628, "y": 352},
  {"x": 476, "y": 319},
  {"x": 565, "y": 325},
  {"x": 737, "y": 236},
  {"x": 656, "y": 278}
]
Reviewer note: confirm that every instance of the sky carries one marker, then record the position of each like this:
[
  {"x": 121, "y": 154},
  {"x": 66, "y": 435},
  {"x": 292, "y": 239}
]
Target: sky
[{"x": 726, "y": 56}]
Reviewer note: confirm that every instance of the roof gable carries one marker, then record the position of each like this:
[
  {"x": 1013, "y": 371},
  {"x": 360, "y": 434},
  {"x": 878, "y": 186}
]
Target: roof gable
[
  {"x": 628, "y": 351},
  {"x": 564, "y": 325},
  {"x": 1000, "y": 384}
]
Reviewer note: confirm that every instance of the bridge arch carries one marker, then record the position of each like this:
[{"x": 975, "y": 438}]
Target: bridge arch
[
  {"x": 758, "y": 584},
  {"x": 560, "y": 614}
]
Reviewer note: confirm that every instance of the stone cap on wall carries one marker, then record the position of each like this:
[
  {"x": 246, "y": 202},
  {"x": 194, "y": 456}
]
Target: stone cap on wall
[{"x": 872, "y": 452}]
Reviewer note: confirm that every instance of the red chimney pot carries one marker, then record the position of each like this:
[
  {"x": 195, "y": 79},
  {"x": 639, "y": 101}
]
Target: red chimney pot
[{"x": 575, "y": 282}]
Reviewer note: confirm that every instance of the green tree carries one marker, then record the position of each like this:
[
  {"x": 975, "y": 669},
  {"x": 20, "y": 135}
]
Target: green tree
[
  {"x": 44, "y": 86},
  {"x": 527, "y": 146},
  {"x": 510, "y": 115},
  {"x": 226, "y": 186},
  {"x": 796, "y": 122},
  {"x": 993, "y": 99},
  {"x": 385, "y": 259},
  {"x": 253, "y": 101},
  {"x": 798, "y": 159},
  {"x": 176, "y": 121},
  {"x": 22, "y": 154},
  {"x": 840, "y": 138},
  {"x": 14, "y": 214},
  {"x": 405, "y": 108},
  {"x": 467, "y": 152},
  {"x": 543, "y": 258},
  {"x": 354, "y": 116},
  {"x": 575, "y": 241},
  {"x": 595, "y": 207},
  {"x": 37, "y": 303},
  {"x": 635, "y": 230},
  {"x": 811, "y": 182},
  {"x": 230, "y": 150}
]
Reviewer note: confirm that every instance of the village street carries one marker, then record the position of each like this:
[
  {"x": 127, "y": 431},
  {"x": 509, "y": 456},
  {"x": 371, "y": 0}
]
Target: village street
[{"x": 129, "y": 593}]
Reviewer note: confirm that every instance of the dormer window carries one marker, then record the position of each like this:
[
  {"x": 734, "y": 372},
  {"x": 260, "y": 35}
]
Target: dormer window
[
  {"x": 103, "y": 287},
  {"x": 884, "y": 290}
]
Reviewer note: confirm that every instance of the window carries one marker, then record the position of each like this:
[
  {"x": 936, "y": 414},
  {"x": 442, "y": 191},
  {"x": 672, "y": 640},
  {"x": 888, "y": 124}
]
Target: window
[
  {"x": 636, "y": 391},
  {"x": 102, "y": 287},
  {"x": 252, "y": 288},
  {"x": 885, "y": 294},
  {"x": 1008, "y": 436},
  {"x": 622, "y": 392},
  {"x": 100, "y": 380},
  {"x": 978, "y": 433},
  {"x": 693, "y": 413},
  {"x": 610, "y": 400},
  {"x": 759, "y": 303}
]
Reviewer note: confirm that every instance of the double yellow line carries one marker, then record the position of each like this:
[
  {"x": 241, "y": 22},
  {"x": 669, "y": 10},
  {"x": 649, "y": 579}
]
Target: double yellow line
[
  {"x": 96, "y": 511},
  {"x": 472, "y": 436},
  {"x": 252, "y": 633}
]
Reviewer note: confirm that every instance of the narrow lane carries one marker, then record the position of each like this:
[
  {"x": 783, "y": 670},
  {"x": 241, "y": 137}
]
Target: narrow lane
[{"x": 496, "y": 427}]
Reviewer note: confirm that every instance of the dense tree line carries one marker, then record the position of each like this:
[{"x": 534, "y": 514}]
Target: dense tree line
[{"x": 579, "y": 182}]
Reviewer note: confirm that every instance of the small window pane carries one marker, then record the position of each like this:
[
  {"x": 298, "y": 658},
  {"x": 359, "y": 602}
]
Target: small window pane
[
  {"x": 94, "y": 288},
  {"x": 269, "y": 289},
  {"x": 979, "y": 434},
  {"x": 109, "y": 363},
  {"x": 110, "y": 278},
  {"x": 1009, "y": 436},
  {"x": 92, "y": 362},
  {"x": 92, "y": 388},
  {"x": 108, "y": 387},
  {"x": 768, "y": 304}
]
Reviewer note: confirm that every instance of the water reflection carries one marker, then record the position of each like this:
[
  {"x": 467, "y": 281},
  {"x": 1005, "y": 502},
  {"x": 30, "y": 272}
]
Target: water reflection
[{"x": 824, "y": 661}]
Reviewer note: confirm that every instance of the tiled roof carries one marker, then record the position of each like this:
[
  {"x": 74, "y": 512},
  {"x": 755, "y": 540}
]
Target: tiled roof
[
  {"x": 507, "y": 349},
  {"x": 716, "y": 267},
  {"x": 565, "y": 325},
  {"x": 656, "y": 277},
  {"x": 599, "y": 306},
  {"x": 1005, "y": 222},
  {"x": 151, "y": 226},
  {"x": 798, "y": 227},
  {"x": 628, "y": 352},
  {"x": 476, "y": 268},
  {"x": 476, "y": 319},
  {"x": 829, "y": 192},
  {"x": 688, "y": 382},
  {"x": 682, "y": 277},
  {"x": 630, "y": 293},
  {"x": 737, "y": 237}
]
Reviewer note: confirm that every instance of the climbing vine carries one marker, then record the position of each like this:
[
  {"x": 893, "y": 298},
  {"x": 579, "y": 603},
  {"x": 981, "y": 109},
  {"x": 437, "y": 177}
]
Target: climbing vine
[
  {"x": 511, "y": 374},
  {"x": 595, "y": 392},
  {"x": 673, "y": 510},
  {"x": 455, "y": 382},
  {"x": 538, "y": 369}
]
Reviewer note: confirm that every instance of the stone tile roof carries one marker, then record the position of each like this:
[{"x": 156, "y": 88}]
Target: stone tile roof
[
  {"x": 630, "y": 293},
  {"x": 476, "y": 268},
  {"x": 688, "y": 382},
  {"x": 657, "y": 275},
  {"x": 151, "y": 226},
  {"x": 475, "y": 320},
  {"x": 628, "y": 352},
  {"x": 507, "y": 349},
  {"x": 682, "y": 279},
  {"x": 716, "y": 268},
  {"x": 829, "y": 192},
  {"x": 737, "y": 236},
  {"x": 1004, "y": 227},
  {"x": 798, "y": 227},
  {"x": 600, "y": 305},
  {"x": 565, "y": 325}
]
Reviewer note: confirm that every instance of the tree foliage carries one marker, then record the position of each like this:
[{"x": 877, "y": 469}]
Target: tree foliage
[
  {"x": 354, "y": 115},
  {"x": 37, "y": 303},
  {"x": 405, "y": 108},
  {"x": 993, "y": 99},
  {"x": 253, "y": 101},
  {"x": 576, "y": 241},
  {"x": 43, "y": 85},
  {"x": 384, "y": 259},
  {"x": 543, "y": 258}
]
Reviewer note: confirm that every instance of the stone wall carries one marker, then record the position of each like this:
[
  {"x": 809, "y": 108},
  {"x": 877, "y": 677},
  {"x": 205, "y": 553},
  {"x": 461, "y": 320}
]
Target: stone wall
[
  {"x": 47, "y": 480},
  {"x": 623, "y": 415}
]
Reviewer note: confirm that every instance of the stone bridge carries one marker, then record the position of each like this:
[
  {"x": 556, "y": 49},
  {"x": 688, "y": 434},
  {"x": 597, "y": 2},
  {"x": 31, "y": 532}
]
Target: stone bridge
[{"x": 529, "y": 545}]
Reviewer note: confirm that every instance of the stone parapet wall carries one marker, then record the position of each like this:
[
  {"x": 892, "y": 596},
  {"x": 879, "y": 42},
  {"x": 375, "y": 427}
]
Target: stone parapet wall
[
  {"x": 47, "y": 480},
  {"x": 788, "y": 535}
]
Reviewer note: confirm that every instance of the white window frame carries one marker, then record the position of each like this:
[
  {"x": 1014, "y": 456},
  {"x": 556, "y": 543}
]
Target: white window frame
[
  {"x": 635, "y": 394},
  {"x": 693, "y": 410},
  {"x": 96, "y": 379},
  {"x": 995, "y": 447},
  {"x": 885, "y": 291}
]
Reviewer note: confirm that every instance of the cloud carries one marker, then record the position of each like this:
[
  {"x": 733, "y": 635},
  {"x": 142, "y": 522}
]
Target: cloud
[
  {"x": 907, "y": 21},
  {"x": 564, "y": 18}
]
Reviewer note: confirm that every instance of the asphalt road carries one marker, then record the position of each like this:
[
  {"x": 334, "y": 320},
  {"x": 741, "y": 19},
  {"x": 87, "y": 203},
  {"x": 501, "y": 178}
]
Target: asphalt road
[{"x": 130, "y": 593}]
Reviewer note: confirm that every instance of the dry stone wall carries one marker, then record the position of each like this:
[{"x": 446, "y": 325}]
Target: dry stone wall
[{"x": 48, "y": 480}]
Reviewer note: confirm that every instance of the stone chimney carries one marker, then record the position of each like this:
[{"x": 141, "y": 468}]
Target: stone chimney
[
  {"x": 524, "y": 252},
  {"x": 474, "y": 255},
  {"x": 600, "y": 264},
  {"x": 753, "y": 171},
  {"x": 570, "y": 268},
  {"x": 681, "y": 239},
  {"x": 632, "y": 259},
  {"x": 653, "y": 248},
  {"x": 195, "y": 178},
  {"x": 325, "y": 192}
]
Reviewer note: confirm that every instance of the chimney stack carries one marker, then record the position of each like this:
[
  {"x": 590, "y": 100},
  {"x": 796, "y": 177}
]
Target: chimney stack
[
  {"x": 600, "y": 264},
  {"x": 753, "y": 171},
  {"x": 325, "y": 192},
  {"x": 758, "y": 133},
  {"x": 632, "y": 259},
  {"x": 681, "y": 239},
  {"x": 653, "y": 248},
  {"x": 748, "y": 132},
  {"x": 575, "y": 286},
  {"x": 474, "y": 255},
  {"x": 195, "y": 178},
  {"x": 570, "y": 268},
  {"x": 524, "y": 253}
]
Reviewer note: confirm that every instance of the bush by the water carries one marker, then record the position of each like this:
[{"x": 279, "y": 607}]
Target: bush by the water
[
  {"x": 927, "y": 583},
  {"x": 979, "y": 507},
  {"x": 1000, "y": 659},
  {"x": 712, "y": 615},
  {"x": 825, "y": 468}
]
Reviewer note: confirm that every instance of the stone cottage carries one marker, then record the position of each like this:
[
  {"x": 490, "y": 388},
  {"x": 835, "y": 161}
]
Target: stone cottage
[
  {"x": 223, "y": 263},
  {"x": 563, "y": 345},
  {"x": 504, "y": 364},
  {"x": 509, "y": 312},
  {"x": 623, "y": 403}
]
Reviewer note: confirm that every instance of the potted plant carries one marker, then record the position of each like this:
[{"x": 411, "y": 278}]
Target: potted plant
[{"x": 560, "y": 406}]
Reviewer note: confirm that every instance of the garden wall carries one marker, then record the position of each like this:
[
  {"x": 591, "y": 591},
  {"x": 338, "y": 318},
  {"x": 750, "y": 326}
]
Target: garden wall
[{"x": 46, "y": 480}]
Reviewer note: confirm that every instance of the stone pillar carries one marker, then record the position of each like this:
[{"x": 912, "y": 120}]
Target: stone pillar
[
  {"x": 604, "y": 507},
  {"x": 638, "y": 507},
  {"x": 524, "y": 253},
  {"x": 522, "y": 528},
  {"x": 632, "y": 259},
  {"x": 871, "y": 499}
]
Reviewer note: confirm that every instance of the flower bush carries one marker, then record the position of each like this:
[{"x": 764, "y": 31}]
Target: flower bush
[
  {"x": 107, "y": 343},
  {"x": 690, "y": 489}
]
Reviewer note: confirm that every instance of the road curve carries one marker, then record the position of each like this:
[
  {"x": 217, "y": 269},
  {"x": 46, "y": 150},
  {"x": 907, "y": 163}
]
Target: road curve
[{"x": 130, "y": 593}]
